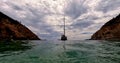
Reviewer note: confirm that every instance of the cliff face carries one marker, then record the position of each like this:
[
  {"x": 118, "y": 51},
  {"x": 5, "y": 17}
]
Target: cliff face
[
  {"x": 109, "y": 31},
  {"x": 12, "y": 29}
]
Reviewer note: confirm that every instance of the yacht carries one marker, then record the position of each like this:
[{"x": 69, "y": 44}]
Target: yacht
[{"x": 64, "y": 37}]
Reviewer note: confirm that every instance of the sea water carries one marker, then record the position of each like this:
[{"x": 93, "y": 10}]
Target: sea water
[{"x": 71, "y": 51}]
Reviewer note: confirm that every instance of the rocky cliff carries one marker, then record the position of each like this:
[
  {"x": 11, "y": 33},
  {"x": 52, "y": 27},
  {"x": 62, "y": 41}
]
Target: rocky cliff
[
  {"x": 109, "y": 31},
  {"x": 12, "y": 29}
]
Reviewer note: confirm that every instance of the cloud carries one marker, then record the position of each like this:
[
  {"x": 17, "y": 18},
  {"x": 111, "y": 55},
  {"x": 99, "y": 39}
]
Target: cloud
[
  {"x": 45, "y": 18},
  {"x": 108, "y": 5},
  {"x": 74, "y": 9}
]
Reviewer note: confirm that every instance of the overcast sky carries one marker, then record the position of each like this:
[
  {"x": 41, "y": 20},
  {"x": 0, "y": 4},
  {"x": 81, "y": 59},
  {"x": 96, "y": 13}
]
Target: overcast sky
[{"x": 45, "y": 17}]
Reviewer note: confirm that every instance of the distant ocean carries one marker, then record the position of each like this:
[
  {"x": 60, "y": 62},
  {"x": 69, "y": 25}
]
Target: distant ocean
[{"x": 73, "y": 51}]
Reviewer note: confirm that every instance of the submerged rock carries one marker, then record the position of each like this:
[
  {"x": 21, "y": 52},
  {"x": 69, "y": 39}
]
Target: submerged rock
[
  {"x": 12, "y": 29},
  {"x": 109, "y": 31}
]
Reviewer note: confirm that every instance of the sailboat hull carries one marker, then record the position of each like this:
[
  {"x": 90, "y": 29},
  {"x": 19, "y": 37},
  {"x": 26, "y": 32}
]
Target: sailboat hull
[{"x": 63, "y": 38}]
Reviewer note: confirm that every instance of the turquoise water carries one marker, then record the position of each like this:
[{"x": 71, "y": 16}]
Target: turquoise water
[{"x": 76, "y": 51}]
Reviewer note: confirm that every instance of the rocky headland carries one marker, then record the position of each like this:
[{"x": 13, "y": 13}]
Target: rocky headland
[
  {"x": 109, "y": 31},
  {"x": 13, "y": 29}
]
